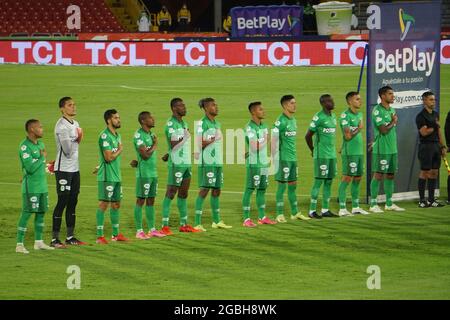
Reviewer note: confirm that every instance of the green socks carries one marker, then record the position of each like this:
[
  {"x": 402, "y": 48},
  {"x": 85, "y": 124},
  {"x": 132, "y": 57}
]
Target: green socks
[
  {"x": 165, "y": 211},
  {"x": 38, "y": 226},
  {"x": 342, "y": 194},
  {"x": 246, "y": 202},
  {"x": 292, "y": 196},
  {"x": 326, "y": 194},
  {"x": 279, "y": 197},
  {"x": 198, "y": 210},
  {"x": 100, "y": 217},
  {"x": 355, "y": 193},
  {"x": 115, "y": 221},
  {"x": 215, "y": 209},
  {"x": 182, "y": 208},
  {"x": 150, "y": 215},
  {"x": 389, "y": 190},
  {"x": 22, "y": 226},
  {"x": 138, "y": 218},
  {"x": 315, "y": 194},
  {"x": 261, "y": 203},
  {"x": 374, "y": 186}
]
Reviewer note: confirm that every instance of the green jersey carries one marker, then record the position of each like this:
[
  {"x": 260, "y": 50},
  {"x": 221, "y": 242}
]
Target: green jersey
[
  {"x": 109, "y": 171},
  {"x": 324, "y": 127},
  {"x": 146, "y": 168},
  {"x": 212, "y": 154},
  {"x": 354, "y": 146},
  {"x": 176, "y": 130},
  {"x": 383, "y": 143},
  {"x": 33, "y": 164},
  {"x": 286, "y": 128},
  {"x": 255, "y": 133}
]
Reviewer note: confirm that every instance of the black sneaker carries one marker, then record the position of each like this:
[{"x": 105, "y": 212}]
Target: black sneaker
[
  {"x": 435, "y": 204},
  {"x": 329, "y": 214},
  {"x": 75, "y": 242},
  {"x": 57, "y": 244},
  {"x": 423, "y": 204},
  {"x": 314, "y": 215}
]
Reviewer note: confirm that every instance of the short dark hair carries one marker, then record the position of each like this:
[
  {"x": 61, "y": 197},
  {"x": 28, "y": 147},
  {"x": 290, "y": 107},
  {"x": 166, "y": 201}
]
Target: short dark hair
[
  {"x": 383, "y": 90},
  {"x": 63, "y": 100},
  {"x": 204, "y": 101},
  {"x": 253, "y": 105},
  {"x": 108, "y": 114},
  {"x": 427, "y": 94},
  {"x": 174, "y": 101},
  {"x": 29, "y": 123},
  {"x": 323, "y": 97},
  {"x": 143, "y": 115},
  {"x": 286, "y": 98},
  {"x": 350, "y": 95}
]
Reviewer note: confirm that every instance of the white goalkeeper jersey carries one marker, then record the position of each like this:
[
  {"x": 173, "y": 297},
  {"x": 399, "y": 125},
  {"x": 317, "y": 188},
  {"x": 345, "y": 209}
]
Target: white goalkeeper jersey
[{"x": 66, "y": 145}]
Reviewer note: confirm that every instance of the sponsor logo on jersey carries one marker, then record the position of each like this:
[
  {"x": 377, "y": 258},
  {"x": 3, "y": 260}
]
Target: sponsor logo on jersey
[{"x": 329, "y": 130}]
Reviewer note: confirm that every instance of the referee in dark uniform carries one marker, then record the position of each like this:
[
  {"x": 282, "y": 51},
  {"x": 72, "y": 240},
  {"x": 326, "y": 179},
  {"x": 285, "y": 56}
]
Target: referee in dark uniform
[
  {"x": 447, "y": 139},
  {"x": 431, "y": 148}
]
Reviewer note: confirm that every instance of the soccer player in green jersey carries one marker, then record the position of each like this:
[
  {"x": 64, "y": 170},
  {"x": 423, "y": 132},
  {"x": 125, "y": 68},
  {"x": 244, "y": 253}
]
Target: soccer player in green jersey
[
  {"x": 352, "y": 152},
  {"x": 284, "y": 154},
  {"x": 179, "y": 166},
  {"x": 384, "y": 150},
  {"x": 210, "y": 174},
  {"x": 323, "y": 149},
  {"x": 145, "y": 143},
  {"x": 34, "y": 186},
  {"x": 257, "y": 165},
  {"x": 109, "y": 176}
]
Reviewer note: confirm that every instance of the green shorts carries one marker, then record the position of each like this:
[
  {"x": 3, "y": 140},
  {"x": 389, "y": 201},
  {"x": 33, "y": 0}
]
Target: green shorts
[
  {"x": 109, "y": 191},
  {"x": 210, "y": 177},
  {"x": 287, "y": 171},
  {"x": 35, "y": 202},
  {"x": 384, "y": 163},
  {"x": 325, "y": 168},
  {"x": 176, "y": 175},
  {"x": 257, "y": 178},
  {"x": 352, "y": 166},
  {"x": 146, "y": 187}
]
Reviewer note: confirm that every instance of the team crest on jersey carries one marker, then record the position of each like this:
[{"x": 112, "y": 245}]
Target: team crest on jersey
[
  {"x": 210, "y": 174},
  {"x": 103, "y": 135},
  {"x": 23, "y": 147},
  {"x": 376, "y": 112},
  {"x": 63, "y": 182}
]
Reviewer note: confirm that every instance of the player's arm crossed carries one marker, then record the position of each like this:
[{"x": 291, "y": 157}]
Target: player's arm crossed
[{"x": 108, "y": 153}]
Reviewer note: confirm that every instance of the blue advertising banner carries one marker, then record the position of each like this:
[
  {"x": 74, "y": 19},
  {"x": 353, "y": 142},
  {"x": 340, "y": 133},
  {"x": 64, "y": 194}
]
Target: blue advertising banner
[
  {"x": 404, "y": 54},
  {"x": 267, "y": 21}
]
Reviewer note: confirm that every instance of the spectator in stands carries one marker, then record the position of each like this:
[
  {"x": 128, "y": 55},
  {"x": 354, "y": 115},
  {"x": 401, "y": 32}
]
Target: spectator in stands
[
  {"x": 184, "y": 18},
  {"x": 144, "y": 22},
  {"x": 164, "y": 19},
  {"x": 227, "y": 23}
]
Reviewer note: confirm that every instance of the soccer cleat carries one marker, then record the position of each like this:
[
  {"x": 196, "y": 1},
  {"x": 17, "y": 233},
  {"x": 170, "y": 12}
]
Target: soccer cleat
[
  {"x": 21, "y": 249},
  {"x": 299, "y": 216},
  {"x": 101, "y": 240},
  {"x": 188, "y": 228},
  {"x": 166, "y": 230},
  {"x": 155, "y": 234},
  {"x": 314, "y": 215},
  {"x": 394, "y": 207},
  {"x": 249, "y": 223},
  {"x": 220, "y": 225},
  {"x": 200, "y": 228},
  {"x": 344, "y": 213},
  {"x": 119, "y": 237},
  {"x": 266, "y": 220},
  {"x": 40, "y": 245},
  {"x": 423, "y": 204},
  {"x": 57, "y": 244},
  {"x": 75, "y": 242},
  {"x": 192, "y": 229},
  {"x": 375, "y": 209},
  {"x": 280, "y": 218},
  {"x": 359, "y": 211},
  {"x": 329, "y": 214},
  {"x": 141, "y": 235},
  {"x": 435, "y": 204}
]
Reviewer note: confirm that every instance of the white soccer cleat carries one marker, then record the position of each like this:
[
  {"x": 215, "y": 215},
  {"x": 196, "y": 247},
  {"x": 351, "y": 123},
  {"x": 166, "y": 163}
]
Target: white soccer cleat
[
  {"x": 281, "y": 219},
  {"x": 344, "y": 213},
  {"x": 375, "y": 209},
  {"x": 359, "y": 211},
  {"x": 20, "y": 248},
  {"x": 394, "y": 207},
  {"x": 40, "y": 245}
]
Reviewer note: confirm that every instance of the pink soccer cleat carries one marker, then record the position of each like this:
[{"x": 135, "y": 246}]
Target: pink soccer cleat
[
  {"x": 141, "y": 235},
  {"x": 266, "y": 220},
  {"x": 249, "y": 223},
  {"x": 155, "y": 233}
]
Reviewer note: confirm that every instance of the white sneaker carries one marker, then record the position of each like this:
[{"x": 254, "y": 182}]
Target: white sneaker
[
  {"x": 344, "y": 213},
  {"x": 359, "y": 211},
  {"x": 40, "y": 245},
  {"x": 394, "y": 207},
  {"x": 376, "y": 209},
  {"x": 21, "y": 249}
]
